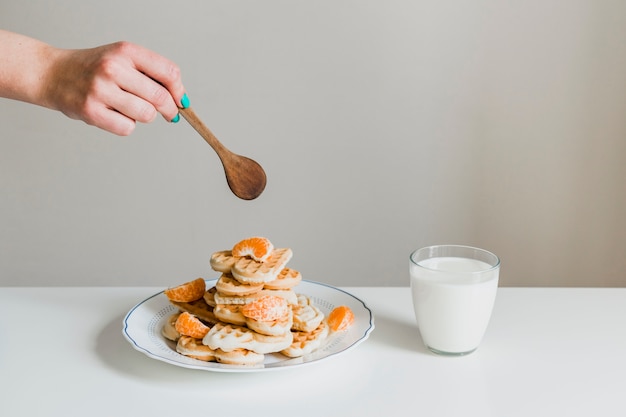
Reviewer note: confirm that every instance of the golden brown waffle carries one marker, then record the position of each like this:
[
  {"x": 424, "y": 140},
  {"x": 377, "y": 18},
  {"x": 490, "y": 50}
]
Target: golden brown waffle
[
  {"x": 304, "y": 299},
  {"x": 169, "y": 330},
  {"x": 246, "y": 270},
  {"x": 287, "y": 279},
  {"x": 209, "y": 296},
  {"x": 230, "y": 313},
  {"x": 235, "y": 299},
  {"x": 306, "y": 316},
  {"x": 198, "y": 308},
  {"x": 271, "y": 328},
  {"x": 229, "y": 337},
  {"x": 218, "y": 298},
  {"x": 289, "y": 295},
  {"x": 229, "y": 286},
  {"x": 306, "y": 342},
  {"x": 272, "y": 344},
  {"x": 241, "y": 357},
  {"x": 222, "y": 261},
  {"x": 194, "y": 348}
]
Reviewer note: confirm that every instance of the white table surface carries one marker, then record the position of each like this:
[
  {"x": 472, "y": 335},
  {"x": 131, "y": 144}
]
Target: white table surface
[{"x": 547, "y": 352}]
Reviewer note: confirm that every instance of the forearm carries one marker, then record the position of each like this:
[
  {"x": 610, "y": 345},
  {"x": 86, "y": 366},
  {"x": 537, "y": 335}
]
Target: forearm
[{"x": 24, "y": 64}]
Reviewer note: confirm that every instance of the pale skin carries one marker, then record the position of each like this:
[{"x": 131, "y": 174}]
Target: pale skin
[{"x": 111, "y": 86}]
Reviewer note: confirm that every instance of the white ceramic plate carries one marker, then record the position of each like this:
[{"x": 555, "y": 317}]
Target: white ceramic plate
[{"x": 143, "y": 323}]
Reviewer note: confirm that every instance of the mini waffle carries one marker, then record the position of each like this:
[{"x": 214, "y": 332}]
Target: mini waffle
[
  {"x": 271, "y": 328},
  {"x": 229, "y": 337},
  {"x": 287, "y": 279},
  {"x": 198, "y": 308},
  {"x": 247, "y": 270},
  {"x": 227, "y": 285},
  {"x": 194, "y": 348},
  {"x": 271, "y": 344},
  {"x": 222, "y": 261},
  {"x": 306, "y": 342},
  {"x": 209, "y": 296},
  {"x": 289, "y": 295},
  {"x": 235, "y": 299},
  {"x": 230, "y": 313},
  {"x": 242, "y": 357},
  {"x": 169, "y": 328},
  {"x": 217, "y": 298},
  {"x": 306, "y": 317}
]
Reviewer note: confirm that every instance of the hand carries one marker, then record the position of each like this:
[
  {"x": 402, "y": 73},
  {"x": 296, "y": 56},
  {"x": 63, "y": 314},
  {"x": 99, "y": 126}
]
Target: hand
[{"x": 113, "y": 86}]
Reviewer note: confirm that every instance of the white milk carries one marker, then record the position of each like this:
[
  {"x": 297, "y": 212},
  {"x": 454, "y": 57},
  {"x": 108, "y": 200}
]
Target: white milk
[{"x": 453, "y": 301}]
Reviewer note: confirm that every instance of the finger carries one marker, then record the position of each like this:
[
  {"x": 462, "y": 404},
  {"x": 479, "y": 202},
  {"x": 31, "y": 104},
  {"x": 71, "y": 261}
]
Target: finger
[
  {"x": 160, "y": 69},
  {"x": 111, "y": 120},
  {"x": 154, "y": 97}
]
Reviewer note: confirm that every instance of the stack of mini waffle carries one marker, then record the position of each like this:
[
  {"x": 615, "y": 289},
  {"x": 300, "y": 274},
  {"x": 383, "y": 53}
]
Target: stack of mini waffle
[{"x": 251, "y": 311}]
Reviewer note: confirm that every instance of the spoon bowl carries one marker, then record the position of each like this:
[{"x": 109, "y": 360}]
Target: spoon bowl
[{"x": 245, "y": 177}]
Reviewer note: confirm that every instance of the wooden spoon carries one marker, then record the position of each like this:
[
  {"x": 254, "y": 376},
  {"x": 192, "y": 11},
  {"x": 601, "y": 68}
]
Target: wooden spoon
[{"x": 245, "y": 176}]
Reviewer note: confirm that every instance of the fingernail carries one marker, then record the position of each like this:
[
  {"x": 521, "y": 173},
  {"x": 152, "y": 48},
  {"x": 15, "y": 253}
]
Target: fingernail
[
  {"x": 176, "y": 118},
  {"x": 184, "y": 101}
]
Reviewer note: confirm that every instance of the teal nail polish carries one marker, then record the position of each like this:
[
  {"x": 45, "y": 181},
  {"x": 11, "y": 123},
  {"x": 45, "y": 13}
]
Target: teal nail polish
[
  {"x": 184, "y": 101},
  {"x": 176, "y": 118}
]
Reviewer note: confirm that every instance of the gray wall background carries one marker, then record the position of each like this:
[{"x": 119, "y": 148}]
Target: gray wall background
[{"x": 383, "y": 126}]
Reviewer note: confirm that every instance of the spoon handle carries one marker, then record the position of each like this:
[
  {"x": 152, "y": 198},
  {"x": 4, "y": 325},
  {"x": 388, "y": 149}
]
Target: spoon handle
[{"x": 204, "y": 131}]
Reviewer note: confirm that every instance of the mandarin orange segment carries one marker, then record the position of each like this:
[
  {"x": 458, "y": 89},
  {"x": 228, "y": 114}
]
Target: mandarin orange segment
[
  {"x": 189, "y": 325},
  {"x": 187, "y": 292},
  {"x": 266, "y": 308},
  {"x": 340, "y": 318},
  {"x": 257, "y": 248}
]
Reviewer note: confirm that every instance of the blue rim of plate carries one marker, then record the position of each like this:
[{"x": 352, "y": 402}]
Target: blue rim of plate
[{"x": 142, "y": 325}]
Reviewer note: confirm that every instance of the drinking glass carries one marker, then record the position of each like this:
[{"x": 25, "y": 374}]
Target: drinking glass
[{"x": 454, "y": 289}]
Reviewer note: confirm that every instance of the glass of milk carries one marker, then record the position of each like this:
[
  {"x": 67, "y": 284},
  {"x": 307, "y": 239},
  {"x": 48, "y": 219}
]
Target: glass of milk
[{"x": 453, "y": 288}]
